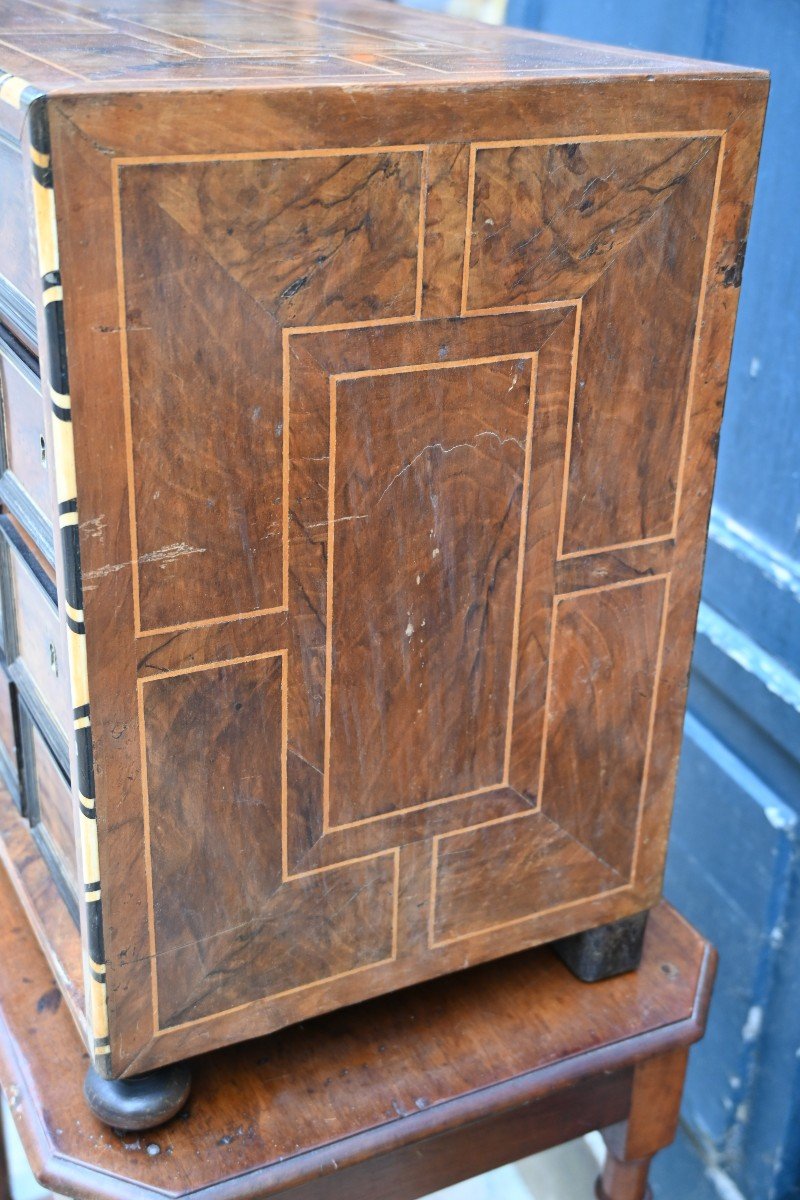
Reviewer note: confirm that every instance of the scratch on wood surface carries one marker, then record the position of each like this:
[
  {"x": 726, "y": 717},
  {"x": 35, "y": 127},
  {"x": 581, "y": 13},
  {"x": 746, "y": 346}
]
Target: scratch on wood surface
[
  {"x": 165, "y": 555},
  {"x": 487, "y": 433}
]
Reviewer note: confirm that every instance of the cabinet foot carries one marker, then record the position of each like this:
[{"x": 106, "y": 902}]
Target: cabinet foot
[
  {"x": 608, "y": 950},
  {"x": 141, "y": 1102}
]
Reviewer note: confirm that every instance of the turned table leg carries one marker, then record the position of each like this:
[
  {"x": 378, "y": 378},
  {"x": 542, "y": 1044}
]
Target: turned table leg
[{"x": 651, "y": 1125}]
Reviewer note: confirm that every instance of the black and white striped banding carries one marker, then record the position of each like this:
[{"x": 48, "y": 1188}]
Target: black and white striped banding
[
  {"x": 16, "y": 91},
  {"x": 58, "y": 379}
]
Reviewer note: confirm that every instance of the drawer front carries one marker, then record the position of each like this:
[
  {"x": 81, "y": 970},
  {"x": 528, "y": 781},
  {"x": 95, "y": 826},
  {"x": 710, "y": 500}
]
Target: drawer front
[
  {"x": 9, "y": 768},
  {"x": 25, "y": 484},
  {"x": 48, "y": 807},
  {"x": 36, "y": 640},
  {"x": 17, "y": 265}
]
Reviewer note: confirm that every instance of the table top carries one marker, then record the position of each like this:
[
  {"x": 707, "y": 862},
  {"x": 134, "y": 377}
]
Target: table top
[
  {"x": 332, "y": 1092},
  {"x": 105, "y": 45}
]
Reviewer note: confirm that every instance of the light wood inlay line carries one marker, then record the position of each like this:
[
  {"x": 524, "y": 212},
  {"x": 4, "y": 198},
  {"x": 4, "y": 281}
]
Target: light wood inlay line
[
  {"x": 698, "y": 336},
  {"x": 277, "y": 153},
  {"x": 538, "y": 306},
  {"x": 651, "y": 727},
  {"x": 648, "y": 541},
  {"x": 577, "y": 139},
  {"x": 468, "y": 230},
  {"x": 523, "y": 538},
  {"x": 40, "y": 58},
  {"x": 576, "y": 347},
  {"x": 611, "y": 587}
]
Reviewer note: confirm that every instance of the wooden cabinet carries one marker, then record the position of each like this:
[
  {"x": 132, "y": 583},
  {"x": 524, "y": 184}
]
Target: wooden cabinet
[{"x": 386, "y": 357}]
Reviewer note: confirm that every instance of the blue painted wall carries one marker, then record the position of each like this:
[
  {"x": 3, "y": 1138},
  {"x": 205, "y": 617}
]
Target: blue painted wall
[{"x": 734, "y": 866}]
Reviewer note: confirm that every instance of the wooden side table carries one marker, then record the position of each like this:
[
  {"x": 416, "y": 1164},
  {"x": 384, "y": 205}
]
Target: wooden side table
[{"x": 396, "y": 1098}]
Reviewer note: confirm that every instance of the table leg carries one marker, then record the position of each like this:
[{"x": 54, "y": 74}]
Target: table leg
[{"x": 651, "y": 1125}]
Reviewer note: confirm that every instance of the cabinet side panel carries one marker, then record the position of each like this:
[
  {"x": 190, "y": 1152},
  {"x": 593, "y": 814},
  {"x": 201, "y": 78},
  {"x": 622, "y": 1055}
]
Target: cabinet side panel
[{"x": 328, "y": 914}]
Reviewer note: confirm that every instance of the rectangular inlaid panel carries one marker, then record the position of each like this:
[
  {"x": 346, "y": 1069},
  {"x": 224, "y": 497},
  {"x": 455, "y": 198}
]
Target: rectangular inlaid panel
[
  {"x": 313, "y": 931},
  {"x": 212, "y": 766},
  {"x": 634, "y": 373},
  {"x": 583, "y": 219},
  {"x": 501, "y": 873},
  {"x": 218, "y": 255},
  {"x": 413, "y": 556},
  {"x": 228, "y": 928},
  {"x": 605, "y": 662},
  {"x": 429, "y": 494}
]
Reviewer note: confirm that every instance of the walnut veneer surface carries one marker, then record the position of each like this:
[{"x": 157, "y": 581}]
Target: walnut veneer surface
[{"x": 387, "y": 384}]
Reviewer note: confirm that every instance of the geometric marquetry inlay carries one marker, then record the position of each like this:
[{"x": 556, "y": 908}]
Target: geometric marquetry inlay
[
  {"x": 383, "y": 357},
  {"x": 433, "y": 712}
]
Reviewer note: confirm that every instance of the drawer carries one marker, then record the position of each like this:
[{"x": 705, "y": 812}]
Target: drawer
[
  {"x": 18, "y": 274},
  {"x": 25, "y": 486},
  {"x": 9, "y": 762},
  {"x": 48, "y": 807},
  {"x": 36, "y": 645}
]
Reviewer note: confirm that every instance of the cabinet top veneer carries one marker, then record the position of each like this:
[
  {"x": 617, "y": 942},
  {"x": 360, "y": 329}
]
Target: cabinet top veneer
[{"x": 119, "y": 45}]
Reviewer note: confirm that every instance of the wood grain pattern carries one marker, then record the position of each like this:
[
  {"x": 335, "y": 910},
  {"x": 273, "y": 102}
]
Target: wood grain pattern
[
  {"x": 606, "y": 653},
  {"x": 327, "y": 332},
  {"x": 633, "y": 377},
  {"x": 542, "y": 865},
  {"x": 549, "y": 218},
  {"x": 423, "y": 676},
  {"x": 196, "y": 833},
  {"x": 651, "y": 1125},
  {"x": 204, "y": 510}
]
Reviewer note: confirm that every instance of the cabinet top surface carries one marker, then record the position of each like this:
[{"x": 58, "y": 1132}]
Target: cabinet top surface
[{"x": 104, "y": 45}]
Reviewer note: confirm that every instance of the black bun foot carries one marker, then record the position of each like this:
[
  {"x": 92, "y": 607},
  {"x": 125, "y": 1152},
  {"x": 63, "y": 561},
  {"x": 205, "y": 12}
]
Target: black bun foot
[
  {"x": 141, "y": 1102},
  {"x": 608, "y": 950}
]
